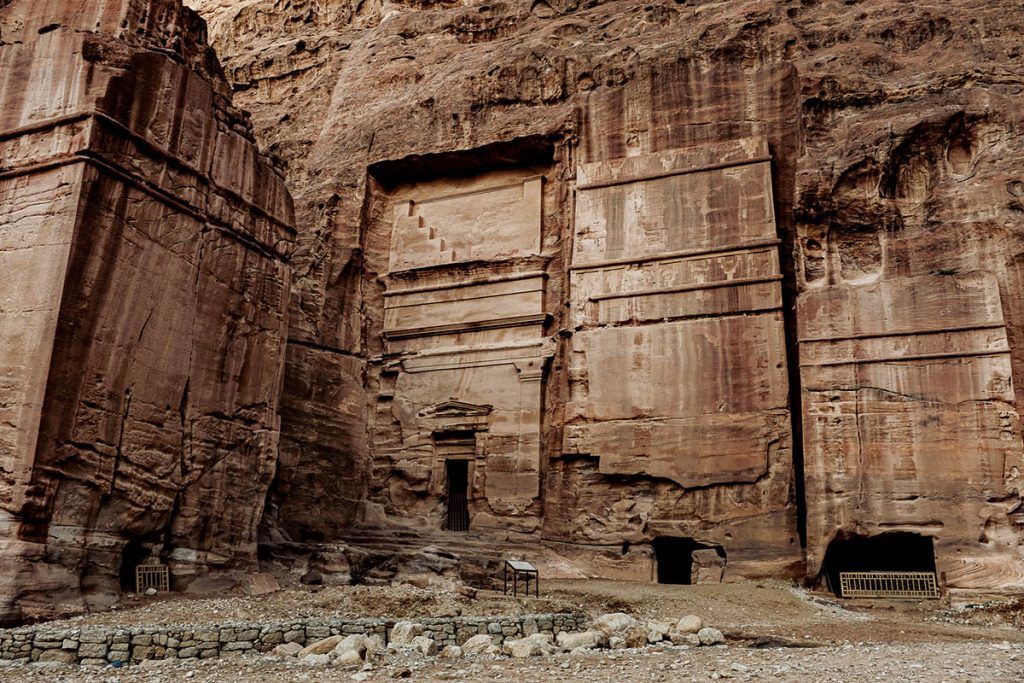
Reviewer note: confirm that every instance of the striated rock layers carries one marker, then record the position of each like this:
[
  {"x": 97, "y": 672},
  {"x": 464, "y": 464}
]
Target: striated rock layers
[
  {"x": 609, "y": 275},
  {"x": 674, "y": 290},
  {"x": 143, "y": 305}
]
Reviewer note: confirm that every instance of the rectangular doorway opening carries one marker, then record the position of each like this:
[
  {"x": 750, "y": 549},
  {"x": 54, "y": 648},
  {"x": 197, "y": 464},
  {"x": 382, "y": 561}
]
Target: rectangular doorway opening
[
  {"x": 457, "y": 494},
  {"x": 683, "y": 560}
]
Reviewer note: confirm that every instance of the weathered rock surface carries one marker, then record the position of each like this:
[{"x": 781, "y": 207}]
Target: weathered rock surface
[
  {"x": 143, "y": 241},
  {"x": 649, "y": 360}
]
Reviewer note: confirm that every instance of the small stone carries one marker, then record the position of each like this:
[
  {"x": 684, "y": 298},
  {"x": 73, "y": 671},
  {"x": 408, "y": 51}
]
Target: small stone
[
  {"x": 425, "y": 645},
  {"x": 284, "y": 650},
  {"x": 451, "y": 652},
  {"x": 315, "y": 660},
  {"x": 691, "y": 623},
  {"x": 615, "y": 622},
  {"x": 349, "y": 658}
]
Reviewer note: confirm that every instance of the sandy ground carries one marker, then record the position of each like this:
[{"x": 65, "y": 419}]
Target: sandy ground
[{"x": 842, "y": 640}]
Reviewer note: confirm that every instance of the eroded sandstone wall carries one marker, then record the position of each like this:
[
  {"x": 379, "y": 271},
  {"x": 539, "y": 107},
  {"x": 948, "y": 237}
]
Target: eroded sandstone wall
[
  {"x": 143, "y": 305},
  {"x": 892, "y": 131}
]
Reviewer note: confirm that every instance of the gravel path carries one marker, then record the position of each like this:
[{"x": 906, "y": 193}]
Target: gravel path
[{"x": 888, "y": 641}]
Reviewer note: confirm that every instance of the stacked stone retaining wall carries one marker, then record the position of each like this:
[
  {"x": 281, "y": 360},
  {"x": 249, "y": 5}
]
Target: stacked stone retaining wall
[{"x": 101, "y": 645}]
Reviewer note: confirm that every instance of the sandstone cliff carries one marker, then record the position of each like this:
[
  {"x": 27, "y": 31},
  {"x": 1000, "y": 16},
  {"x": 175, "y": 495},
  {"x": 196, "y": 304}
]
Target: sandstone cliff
[
  {"x": 143, "y": 310},
  {"x": 862, "y": 380}
]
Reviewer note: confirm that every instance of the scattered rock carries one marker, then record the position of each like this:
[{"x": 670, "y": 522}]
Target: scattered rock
[
  {"x": 477, "y": 645},
  {"x": 312, "y": 578},
  {"x": 691, "y": 623},
  {"x": 321, "y": 647},
  {"x": 356, "y": 642},
  {"x": 260, "y": 583},
  {"x": 349, "y": 658},
  {"x": 586, "y": 639},
  {"x": 286, "y": 650},
  {"x": 616, "y": 622},
  {"x": 451, "y": 652},
  {"x": 424, "y": 644},
  {"x": 404, "y": 632},
  {"x": 710, "y": 636}
]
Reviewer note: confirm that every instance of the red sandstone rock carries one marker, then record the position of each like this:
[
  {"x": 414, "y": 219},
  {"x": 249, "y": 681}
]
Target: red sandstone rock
[
  {"x": 895, "y": 186},
  {"x": 143, "y": 241},
  {"x": 740, "y": 272}
]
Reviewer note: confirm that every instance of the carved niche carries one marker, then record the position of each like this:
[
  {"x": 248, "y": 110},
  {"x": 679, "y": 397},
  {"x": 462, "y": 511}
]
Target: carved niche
[{"x": 463, "y": 336}]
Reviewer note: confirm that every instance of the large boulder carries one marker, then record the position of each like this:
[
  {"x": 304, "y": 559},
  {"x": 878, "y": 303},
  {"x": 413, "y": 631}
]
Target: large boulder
[
  {"x": 356, "y": 642},
  {"x": 321, "y": 647},
  {"x": 478, "y": 644},
  {"x": 614, "y": 623},
  {"x": 710, "y": 636},
  {"x": 707, "y": 567},
  {"x": 571, "y": 640},
  {"x": 532, "y": 646},
  {"x": 522, "y": 647},
  {"x": 286, "y": 650},
  {"x": 333, "y": 567},
  {"x": 349, "y": 658},
  {"x": 404, "y": 631},
  {"x": 425, "y": 645},
  {"x": 691, "y": 623},
  {"x": 451, "y": 652}
]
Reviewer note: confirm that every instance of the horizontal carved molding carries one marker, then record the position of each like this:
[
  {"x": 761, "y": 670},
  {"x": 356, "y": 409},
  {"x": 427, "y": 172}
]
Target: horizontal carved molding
[
  {"x": 493, "y": 279},
  {"x": 910, "y": 357},
  {"x": 670, "y": 174},
  {"x": 454, "y": 328},
  {"x": 156, "y": 192},
  {"x": 901, "y": 333},
  {"x": 697, "y": 286},
  {"x": 682, "y": 254},
  {"x": 150, "y": 146},
  {"x": 518, "y": 182}
]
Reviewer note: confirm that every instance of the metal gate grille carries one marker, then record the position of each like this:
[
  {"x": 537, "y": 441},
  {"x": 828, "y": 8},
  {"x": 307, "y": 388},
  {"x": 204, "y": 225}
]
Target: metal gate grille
[
  {"x": 152, "y": 576},
  {"x": 458, "y": 511},
  {"x": 888, "y": 585}
]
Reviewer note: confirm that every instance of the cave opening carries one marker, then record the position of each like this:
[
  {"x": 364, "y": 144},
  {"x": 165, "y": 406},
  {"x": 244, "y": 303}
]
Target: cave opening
[
  {"x": 889, "y": 552},
  {"x": 132, "y": 556},
  {"x": 674, "y": 558}
]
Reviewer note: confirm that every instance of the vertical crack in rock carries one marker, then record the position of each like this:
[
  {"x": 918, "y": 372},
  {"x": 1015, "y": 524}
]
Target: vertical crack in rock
[{"x": 147, "y": 224}]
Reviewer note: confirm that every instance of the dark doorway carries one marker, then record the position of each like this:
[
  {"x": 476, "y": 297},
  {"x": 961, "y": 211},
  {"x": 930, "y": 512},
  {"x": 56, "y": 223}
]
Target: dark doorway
[
  {"x": 893, "y": 552},
  {"x": 132, "y": 556},
  {"x": 457, "y": 494},
  {"x": 674, "y": 558}
]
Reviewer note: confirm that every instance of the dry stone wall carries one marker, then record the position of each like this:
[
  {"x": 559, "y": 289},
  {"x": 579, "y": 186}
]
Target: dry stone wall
[{"x": 100, "y": 646}]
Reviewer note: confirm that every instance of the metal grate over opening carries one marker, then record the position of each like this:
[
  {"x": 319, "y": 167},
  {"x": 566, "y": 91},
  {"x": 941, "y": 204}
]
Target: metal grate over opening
[
  {"x": 888, "y": 585},
  {"x": 153, "y": 576}
]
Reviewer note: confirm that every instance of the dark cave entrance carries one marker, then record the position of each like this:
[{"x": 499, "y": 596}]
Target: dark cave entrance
[
  {"x": 457, "y": 495},
  {"x": 674, "y": 557},
  {"x": 132, "y": 556},
  {"x": 891, "y": 552}
]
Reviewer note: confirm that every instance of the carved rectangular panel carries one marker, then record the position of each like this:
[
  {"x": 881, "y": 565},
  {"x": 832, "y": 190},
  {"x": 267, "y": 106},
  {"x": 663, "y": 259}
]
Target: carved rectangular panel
[
  {"x": 676, "y": 297},
  {"x": 908, "y": 408},
  {"x": 464, "y": 306},
  {"x": 460, "y": 224}
]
